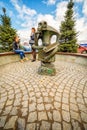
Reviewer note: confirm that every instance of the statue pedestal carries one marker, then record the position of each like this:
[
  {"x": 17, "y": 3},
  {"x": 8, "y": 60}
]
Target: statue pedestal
[{"x": 47, "y": 69}]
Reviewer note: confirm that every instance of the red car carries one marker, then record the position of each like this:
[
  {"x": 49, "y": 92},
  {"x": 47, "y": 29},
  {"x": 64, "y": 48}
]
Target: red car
[{"x": 82, "y": 49}]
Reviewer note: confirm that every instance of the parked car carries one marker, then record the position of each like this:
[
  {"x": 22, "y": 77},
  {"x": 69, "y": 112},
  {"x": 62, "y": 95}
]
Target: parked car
[{"x": 82, "y": 49}]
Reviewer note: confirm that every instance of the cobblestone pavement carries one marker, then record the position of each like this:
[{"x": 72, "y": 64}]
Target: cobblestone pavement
[{"x": 29, "y": 101}]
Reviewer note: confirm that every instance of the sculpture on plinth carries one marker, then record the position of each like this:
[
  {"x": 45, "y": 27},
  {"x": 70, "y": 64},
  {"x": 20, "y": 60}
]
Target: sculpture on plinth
[{"x": 46, "y": 52}]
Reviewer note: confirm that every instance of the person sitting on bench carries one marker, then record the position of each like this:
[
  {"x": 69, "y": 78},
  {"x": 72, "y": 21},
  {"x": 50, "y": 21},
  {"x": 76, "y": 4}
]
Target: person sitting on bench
[{"x": 17, "y": 50}]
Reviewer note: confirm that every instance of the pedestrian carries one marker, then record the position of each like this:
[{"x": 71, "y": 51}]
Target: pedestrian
[
  {"x": 32, "y": 42},
  {"x": 17, "y": 50}
]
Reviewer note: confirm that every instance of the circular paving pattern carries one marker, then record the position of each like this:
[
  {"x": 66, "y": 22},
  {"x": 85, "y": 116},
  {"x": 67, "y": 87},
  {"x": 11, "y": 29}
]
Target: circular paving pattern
[{"x": 29, "y": 101}]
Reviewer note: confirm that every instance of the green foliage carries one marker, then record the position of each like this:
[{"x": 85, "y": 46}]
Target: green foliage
[
  {"x": 68, "y": 47},
  {"x": 5, "y": 20},
  {"x": 68, "y": 34},
  {"x": 7, "y": 33}
]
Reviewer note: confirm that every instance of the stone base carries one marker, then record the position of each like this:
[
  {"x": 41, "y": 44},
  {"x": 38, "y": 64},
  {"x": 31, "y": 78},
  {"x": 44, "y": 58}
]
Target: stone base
[{"x": 47, "y": 69}]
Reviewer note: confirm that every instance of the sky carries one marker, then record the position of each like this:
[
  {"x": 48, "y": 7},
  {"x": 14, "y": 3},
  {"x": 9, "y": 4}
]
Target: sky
[{"x": 26, "y": 14}]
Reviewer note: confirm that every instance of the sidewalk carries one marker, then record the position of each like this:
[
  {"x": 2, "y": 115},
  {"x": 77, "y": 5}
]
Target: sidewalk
[{"x": 29, "y": 101}]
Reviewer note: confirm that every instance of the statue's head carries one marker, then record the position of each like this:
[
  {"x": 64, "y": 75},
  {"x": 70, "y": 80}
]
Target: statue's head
[
  {"x": 42, "y": 26},
  {"x": 45, "y": 33}
]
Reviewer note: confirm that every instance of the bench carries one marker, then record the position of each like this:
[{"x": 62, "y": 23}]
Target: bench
[{"x": 9, "y": 57}]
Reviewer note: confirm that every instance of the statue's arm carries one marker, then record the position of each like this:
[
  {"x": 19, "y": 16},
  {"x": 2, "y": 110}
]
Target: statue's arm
[
  {"x": 37, "y": 47},
  {"x": 51, "y": 54}
]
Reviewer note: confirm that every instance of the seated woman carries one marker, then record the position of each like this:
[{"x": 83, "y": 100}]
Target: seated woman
[{"x": 17, "y": 50}]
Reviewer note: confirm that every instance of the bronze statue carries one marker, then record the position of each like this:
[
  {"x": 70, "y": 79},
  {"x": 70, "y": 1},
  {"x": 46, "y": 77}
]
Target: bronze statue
[{"x": 46, "y": 52}]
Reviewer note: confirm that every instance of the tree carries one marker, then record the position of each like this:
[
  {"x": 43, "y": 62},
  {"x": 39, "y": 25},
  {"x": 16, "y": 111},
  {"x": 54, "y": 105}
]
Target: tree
[
  {"x": 5, "y": 20},
  {"x": 68, "y": 34},
  {"x": 7, "y": 33}
]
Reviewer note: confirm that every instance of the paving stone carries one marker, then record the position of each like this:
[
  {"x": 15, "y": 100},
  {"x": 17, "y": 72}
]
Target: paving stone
[
  {"x": 14, "y": 111},
  {"x": 56, "y": 126},
  {"x": 73, "y": 100},
  {"x": 84, "y": 116},
  {"x": 82, "y": 108},
  {"x": 65, "y": 100},
  {"x": 11, "y": 92},
  {"x": 48, "y": 106},
  {"x": 31, "y": 126},
  {"x": 72, "y": 95},
  {"x": 7, "y": 110},
  {"x": 9, "y": 102},
  {"x": 57, "y": 98},
  {"x": 52, "y": 94},
  {"x": 57, "y": 105},
  {"x": 32, "y": 107},
  {"x": 79, "y": 94},
  {"x": 17, "y": 102},
  {"x": 66, "y": 126},
  {"x": 36, "y": 88},
  {"x": 65, "y": 107},
  {"x": 31, "y": 94},
  {"x": 42, "y": 89},
  {"x": 11, "y": 123},
  {"x": 32, "y": 117},
  {"x": 66, "y": 116},
  {"x": 66, "y": 94},
  {"x": 21, "y": 124},
  {"x": 25, "y": 103},
  {"x": 56, "y": 116},
  {"x": 24, "y": 112},
  {"x": 75, "y": 125},
  {"x": 40, "y": 107},
  {"x": 25, "y": 97},
  {"x": 3, "y": 96},
  {"x": 73, "y": 107},
  {"x": 42, "y": 116},
  {"x": 60, "y": 89},
  {"x": 10, "y": 97},
  {"x": 45, "y": 125},
  {"x": 2, "y": 121},
  {"x": 75, "y": 116},
  {"x": 48, "y": 100},
  {"x": 80, "y": 100},
  {"x": 45, "y": 94},
  {"x": 3, "y": 99},
  {"x": 38, "y": 95},
  {"x": 32, "y": 99},
  {"x": 40, "y": 100},
  {"x": 18, "y": 95}
]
